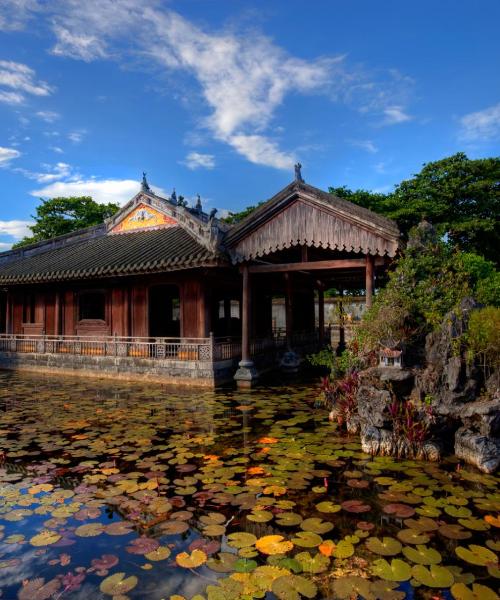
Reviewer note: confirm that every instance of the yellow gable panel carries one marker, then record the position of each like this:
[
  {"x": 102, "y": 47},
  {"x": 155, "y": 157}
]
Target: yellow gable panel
[{"x": 143, "y": 217}]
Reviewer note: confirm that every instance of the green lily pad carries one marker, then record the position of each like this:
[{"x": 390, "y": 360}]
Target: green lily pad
[
  {"x": 386, "y": 546},
  {"x": 312, "y": 564},
  {"x": 422, "y": 555},
  {"x": 433, "y": 577},
  {"x": 260, "y": 516},
  {"x": 460, "y": 591},
  {"x": 412, "y": 536},
  {"x": 396, "y": 570},
  {"x": 477, "y": 555},
  {"x": 307, "y": 539},
  {"x": 328, "y": 507},
  {"x": 343, "y": 549},
  {"x": 244, "y": 565},
  {"x": 316, "y": 525},
  {"x": 345, "y": 588},
  {"x": 118, "y": 584},
  {"x": 241, "y": 539},
  {"x": 288, "y": 519},
  {"x": 293, "y": 587}
]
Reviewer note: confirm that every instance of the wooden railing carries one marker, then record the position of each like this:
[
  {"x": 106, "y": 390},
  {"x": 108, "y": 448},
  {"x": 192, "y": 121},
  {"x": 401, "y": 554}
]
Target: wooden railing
[{"x": 200, "y": 349}]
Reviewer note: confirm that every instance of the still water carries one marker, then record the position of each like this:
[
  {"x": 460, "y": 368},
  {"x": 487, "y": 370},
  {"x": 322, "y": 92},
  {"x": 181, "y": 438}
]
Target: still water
[{"x": 114, "y": 490}]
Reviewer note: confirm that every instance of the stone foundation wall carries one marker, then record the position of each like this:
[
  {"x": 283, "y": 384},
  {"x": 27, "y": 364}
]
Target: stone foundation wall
[{"x": 185, "y": 372}]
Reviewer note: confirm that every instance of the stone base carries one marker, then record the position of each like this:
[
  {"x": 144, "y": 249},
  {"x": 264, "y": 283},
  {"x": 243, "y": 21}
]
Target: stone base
[
  {"x": 290, "y": 362},
  {"x": 246, "y": 375},
  {"x": 482, "y": 451}
]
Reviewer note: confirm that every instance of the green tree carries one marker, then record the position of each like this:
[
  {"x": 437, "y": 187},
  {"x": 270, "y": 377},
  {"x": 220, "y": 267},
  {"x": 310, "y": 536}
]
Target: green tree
[
  {"x": 57, "y": 216},
  {"x": 460, "y": 196}
]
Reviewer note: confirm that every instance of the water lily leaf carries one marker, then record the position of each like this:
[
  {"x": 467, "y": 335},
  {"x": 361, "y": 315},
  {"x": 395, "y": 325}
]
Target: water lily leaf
[
  {"x": 343, "y": 549},
  {"x": 191, "y": 561},
  {"x": 241, "y": 539},
  {"x": 355, "y": 506},
  {"x": 223, "y": 563},
  {"x": 422, "y": 555},
  {"x": 385, "y": 547},
  {"x": 457, "y": 511},
  {"x": 422, "y": 524},
  {"x": 288, "y": 519},
  {"x": 396, "y": 570},
  {"x": 477, "y": 555},
  {"x": 312, "y": 564},
  {"x": 214, "y": 530},
  {"x": 316, "y": 525},
  {"x": 475, "y": 524},
  {"x": 41, "y": 487},
  {"x": 307, "y": 539},
  {"x": 460, "y": 591},
  {"x": 402, "y": 511},
  {"x": 434, "y": 576},
  {"x": 142, "y": 545},
  {"x": 492, "y": 520},
  {"x": 293, "y": 587},
  {"x": 385, "y": 590},
  {"x": 89, "y": 530},
  {"x": 412, "y": 536},
  {"x": 244, "y": 565},
  {"x": 274, "y": 544},
  {"x": 45, "y": 538},
  {"x": 213, "y": 518},
  {"x": 118, "y": 528},
  {"x": 118, "y": 584},
  {"x": 37, "y": 589},
  {"x": 174, "y": 527},
  {"x": 328, "y": 507},
  {"x": 454, "y": 532},
  {"x": 346, "y": 588},
  {"x": 260, "y": 516}
]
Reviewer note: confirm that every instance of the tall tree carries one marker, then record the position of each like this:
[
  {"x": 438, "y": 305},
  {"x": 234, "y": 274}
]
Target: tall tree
[
  {"x": 460, "y": 196},
  {"x": 57, "y": 216}
]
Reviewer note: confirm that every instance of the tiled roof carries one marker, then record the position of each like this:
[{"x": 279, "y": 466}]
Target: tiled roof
[{"x": 140, "y": 252}]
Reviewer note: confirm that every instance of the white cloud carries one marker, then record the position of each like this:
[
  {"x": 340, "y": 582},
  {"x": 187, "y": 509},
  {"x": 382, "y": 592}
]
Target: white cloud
[
  {"x": 15, "y": 229},
  {"x": 50, "y": 173},
  {"x": 15, "y": 13},
  {"x": 394, "y": 115},
  {"x": 367, "y": 145},
  {"x": 118, "y": 191},
  {"x": 20, "y": 80},
  {"x": 4, "y": 246},
  {"x": 77, "y": 45},
  {"x": 196, "y": 160},
  {"x": 481, "y": 125},
  {"x": 8, "y": 154},
  {"x": 11, "y": 97},
  {"x": 76, "y": 136},
  {"x": 48, "y": 116},
  {"x": 262, "y": 151},
  {"x": 56, "y": 149}
]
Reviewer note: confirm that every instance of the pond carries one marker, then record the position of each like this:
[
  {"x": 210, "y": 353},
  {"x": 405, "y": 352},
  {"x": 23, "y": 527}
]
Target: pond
[{"x": 114, "y": 490}]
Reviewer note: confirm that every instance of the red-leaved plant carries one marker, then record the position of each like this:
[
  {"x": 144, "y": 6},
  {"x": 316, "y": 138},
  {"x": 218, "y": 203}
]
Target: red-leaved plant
[
  {"x": 340, "y": 394},
  {"x": 410, "y": 422}
]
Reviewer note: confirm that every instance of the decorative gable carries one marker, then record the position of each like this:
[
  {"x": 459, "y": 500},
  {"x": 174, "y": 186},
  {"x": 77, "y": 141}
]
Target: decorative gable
[{"x": 143, "y": 216}]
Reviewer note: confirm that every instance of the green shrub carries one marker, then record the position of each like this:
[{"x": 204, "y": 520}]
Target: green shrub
[{"x": 483, "y": 337}]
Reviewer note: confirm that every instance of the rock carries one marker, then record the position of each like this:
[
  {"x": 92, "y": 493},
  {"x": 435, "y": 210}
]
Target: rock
[
  {"x": 482, "y": 416},
  {"x": 373, "y": 405},
  {"x": 479, "y": 450}
]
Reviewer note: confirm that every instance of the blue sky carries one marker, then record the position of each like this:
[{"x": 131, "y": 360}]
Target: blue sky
[{"x": 221, "y": 97}]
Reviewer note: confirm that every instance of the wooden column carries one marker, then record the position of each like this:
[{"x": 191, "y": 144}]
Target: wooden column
[
  {"x": 288, "y": 310},
  {"x": 321, "y": 314},
  {"x": 245, "y": 316},
  {"x": 57, "y": 313},
  {"x": 369, "y": 280},
  {"x": 8, "y": 315}
]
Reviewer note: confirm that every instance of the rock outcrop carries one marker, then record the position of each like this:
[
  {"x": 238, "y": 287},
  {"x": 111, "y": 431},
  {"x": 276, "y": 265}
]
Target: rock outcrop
[{"x": 449, "y": 390}]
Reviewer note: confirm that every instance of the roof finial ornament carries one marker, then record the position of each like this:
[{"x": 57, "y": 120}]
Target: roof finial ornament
[
  {"x": 298, "y": 174},
  {"x": 199, "y": 207},
  {"x": 212, "y": 214},
  {"x": 145, "y": 185},
  {"x": 173, "y": 197}
]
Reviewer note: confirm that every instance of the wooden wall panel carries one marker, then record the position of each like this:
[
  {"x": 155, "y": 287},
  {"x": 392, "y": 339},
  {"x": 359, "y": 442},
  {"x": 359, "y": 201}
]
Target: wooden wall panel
[
  {"x": 119, "y": 311},
  {"x": 17, "y": 312},
  {"x": 139, "y": 310},
  {"x": 69, "y": 313},
  {"x": 50, "y": 313},
  {"x": 192, "y": 309}
]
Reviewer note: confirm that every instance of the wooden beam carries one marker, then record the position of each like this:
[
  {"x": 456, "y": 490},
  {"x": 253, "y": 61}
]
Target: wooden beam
[
  {"x": 321, "y": 315},
  {"x": 349, "y": 263},
  {"x": 289, "y": 310}
]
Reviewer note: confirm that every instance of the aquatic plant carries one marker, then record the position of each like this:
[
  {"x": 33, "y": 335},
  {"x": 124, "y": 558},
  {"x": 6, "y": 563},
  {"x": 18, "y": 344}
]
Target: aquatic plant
[{"x": 410, "y": 422}]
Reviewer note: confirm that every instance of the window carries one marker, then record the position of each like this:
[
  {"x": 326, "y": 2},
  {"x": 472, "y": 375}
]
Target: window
[{"x": 92, "y": 305}]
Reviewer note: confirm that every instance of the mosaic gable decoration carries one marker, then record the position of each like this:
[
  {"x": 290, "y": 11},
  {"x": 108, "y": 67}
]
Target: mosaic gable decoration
[{"x": 143, "y": 217}]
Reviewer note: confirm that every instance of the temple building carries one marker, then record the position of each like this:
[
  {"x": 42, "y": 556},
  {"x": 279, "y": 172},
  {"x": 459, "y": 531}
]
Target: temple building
[{"x": 167, "y": 292}]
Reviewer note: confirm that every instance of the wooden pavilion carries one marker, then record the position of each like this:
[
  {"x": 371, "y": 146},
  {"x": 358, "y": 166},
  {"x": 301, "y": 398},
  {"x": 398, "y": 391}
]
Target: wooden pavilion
[{"x": 168, "y": 292}]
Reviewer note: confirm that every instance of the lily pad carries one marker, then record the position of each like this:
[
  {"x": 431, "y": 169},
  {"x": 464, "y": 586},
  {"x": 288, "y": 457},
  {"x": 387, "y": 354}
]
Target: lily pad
[
  {"x": 191, "y": 561},
  {"x": 316, "y": 563},
  {"x": 434, "y": 576},
  {"x": 118, "y": 584},
  {"x": 460, "y": 591},
  {"x": 307, "y": 539},
  {"x": 412, "y": 536},
  {"x": 422, "y": 555},
  {"x": 241, "y": 539},
  {"x": 328, "y": 507},
  {"x": 477, "y": 555},
  {"x": 45, "y": 538},
  {"x": 273, "y": 544},
  {"x": 293, "y": 587},
  {"x": 396, "y": 570},
  {"x": 385, "y": 547}
]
